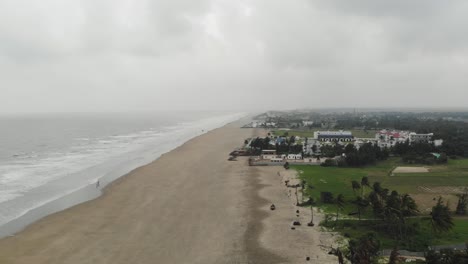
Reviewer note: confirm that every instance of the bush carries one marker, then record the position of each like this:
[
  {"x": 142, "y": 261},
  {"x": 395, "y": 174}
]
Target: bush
[{"x": 328, "y": 163}]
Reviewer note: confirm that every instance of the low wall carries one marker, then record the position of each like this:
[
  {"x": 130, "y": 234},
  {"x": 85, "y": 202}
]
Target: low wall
[{"x": 291, "y": 162}]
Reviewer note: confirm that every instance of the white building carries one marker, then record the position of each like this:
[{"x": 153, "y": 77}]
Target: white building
[
  {"x": 277, "y": 160},
  {"x": 268, "y": 154},
  {"x": 294, "y": 157},
  {"x": 413, "y": 137},
  {"x": 389, "y": 138},
  {"x": 438, "y": 142},
  {"x": 343, "y": 136}
]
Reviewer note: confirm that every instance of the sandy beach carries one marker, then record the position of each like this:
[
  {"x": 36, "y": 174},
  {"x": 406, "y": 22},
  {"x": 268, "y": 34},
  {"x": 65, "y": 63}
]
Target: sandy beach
[{"x": 189, "y": 206}]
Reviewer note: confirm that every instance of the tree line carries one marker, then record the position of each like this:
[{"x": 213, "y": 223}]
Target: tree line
[
  {"x": 390, "y": 213},
  {"x": 288, "y": 145},
  {"x": 454, "y": 133}
]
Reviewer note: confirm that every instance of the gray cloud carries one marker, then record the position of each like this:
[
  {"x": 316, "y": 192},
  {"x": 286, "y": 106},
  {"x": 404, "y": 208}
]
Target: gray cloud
[{"x": 122, "y": 55}]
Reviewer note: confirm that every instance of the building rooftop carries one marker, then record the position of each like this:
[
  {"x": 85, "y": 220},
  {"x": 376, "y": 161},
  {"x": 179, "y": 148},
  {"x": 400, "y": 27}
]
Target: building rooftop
[{"x": 334, "y": 133}]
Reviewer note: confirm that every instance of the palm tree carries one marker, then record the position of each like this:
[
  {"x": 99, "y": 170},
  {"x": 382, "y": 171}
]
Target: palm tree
[
  {"x": 356, "y": 186},
  {"x": 361, "y": 205},
  {"x": 340, "y": 202},
  {"x": 312, "y": 202},
  {"x": 364, "y": 250},
  {"x": 377, "y": 188},
  {"x": 364, "y": 182},
  {"x": 441, "y": 220},
  {"x": 408, "y": 206},
  {"x": 377, "y": 204}
]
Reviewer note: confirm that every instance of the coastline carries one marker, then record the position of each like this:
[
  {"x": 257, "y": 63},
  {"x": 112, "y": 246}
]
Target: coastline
[
  {"x": 90, "y": 191},
  {"x": 172, "y": 211},
  {"x": 189, "y": 206}
]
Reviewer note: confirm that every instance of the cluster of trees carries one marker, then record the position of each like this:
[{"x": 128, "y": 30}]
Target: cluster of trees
[
  {"x": 258, "y": 144},
  {"x": 391, "y": 212},
  {"x": 286, "y": 146},
  {"x": 364, "y": 249},
  {"x": 418, "y": 153},
  {"x": 454, "y": 133},
  {"x": 389, "y": 206},
  {"x": 365, "y": 155}
]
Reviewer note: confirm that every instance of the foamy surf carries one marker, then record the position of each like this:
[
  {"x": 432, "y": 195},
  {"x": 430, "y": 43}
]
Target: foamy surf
[{"x": 88, "y": 166}]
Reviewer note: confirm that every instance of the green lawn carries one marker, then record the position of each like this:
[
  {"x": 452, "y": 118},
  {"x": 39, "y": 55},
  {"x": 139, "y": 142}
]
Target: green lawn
[
  {"x": 338, "y": 181},
  {"x": 458, "y": 235}
]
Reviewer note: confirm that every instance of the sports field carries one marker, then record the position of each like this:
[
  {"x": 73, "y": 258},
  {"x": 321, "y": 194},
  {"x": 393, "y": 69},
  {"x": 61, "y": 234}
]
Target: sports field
[
  {"x": 446, "y": 180},
  {"x": 441, "y": 180}
]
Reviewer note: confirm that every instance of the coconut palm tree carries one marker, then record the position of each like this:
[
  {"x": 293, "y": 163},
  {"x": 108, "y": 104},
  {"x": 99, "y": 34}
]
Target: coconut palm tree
[
  {"x": 441, "y": 220},
  {"x": 364, "y": 182},
  {"x": 377, "y": 205},
  {"x": 408, "y": 206},
  {"x": 340, "y": 202},
  {"x": 377, "y": 188},
  {"x": 364, "y": 250},
  {"x": 312, "y": 202},
  {"x": 361, "y": 205},
  {"x": 356, "y": 186}
]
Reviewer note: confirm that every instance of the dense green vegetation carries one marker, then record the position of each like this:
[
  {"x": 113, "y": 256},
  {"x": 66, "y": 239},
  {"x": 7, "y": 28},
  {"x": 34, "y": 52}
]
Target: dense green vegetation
[
  {"x": 417, "y": 242},
  {"x": 322, "y": 182},
  {"x": 285, "y": 147},
  {"x": 454, "y": 133}
]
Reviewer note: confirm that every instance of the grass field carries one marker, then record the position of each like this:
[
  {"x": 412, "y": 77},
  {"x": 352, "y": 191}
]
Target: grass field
[
  {"x": 338, "y": 181},
  {"x": 310, "y": 132}
]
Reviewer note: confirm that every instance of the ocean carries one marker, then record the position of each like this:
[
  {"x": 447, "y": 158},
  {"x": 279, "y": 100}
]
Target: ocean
[{"x": 46, "y": 157}]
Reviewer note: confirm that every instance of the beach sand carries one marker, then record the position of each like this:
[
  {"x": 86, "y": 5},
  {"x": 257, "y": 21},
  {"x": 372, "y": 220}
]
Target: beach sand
[{"x": 189, "y": 206}]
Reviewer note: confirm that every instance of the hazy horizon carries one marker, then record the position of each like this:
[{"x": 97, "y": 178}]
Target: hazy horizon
[{"x": 217, "y": 55}]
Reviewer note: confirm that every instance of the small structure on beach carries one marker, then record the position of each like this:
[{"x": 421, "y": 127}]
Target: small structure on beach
[
  {"x": 268, "y": 154},
  {"x": 294, "y": 156}
]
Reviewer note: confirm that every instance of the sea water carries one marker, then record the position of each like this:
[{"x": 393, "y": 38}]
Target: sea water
[{"x": 46, "y": 157}]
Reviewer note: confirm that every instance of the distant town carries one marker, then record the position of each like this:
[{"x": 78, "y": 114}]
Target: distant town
[
  {"x": 393, "y": 185},
  {"x": 308, "y": 142}
]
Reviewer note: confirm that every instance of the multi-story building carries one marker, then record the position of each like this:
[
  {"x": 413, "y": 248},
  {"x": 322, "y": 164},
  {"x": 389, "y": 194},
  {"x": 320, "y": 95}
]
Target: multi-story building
[
  {"x": 338, "y": 136},
  {"x": 420, "y": 138}
]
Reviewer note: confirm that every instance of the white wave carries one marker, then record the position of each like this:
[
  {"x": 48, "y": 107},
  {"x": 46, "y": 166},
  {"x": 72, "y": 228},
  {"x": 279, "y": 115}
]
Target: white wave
[{"x": 90, "y": 160}]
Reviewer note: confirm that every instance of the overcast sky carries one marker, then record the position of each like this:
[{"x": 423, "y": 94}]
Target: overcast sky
[{"x": 146, "y": 55}]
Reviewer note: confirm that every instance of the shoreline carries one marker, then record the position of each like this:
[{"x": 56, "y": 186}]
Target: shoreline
[
  {"x": 173, "y": 210},
  {"x": 82, "y": 194},
  {"x": 191, "y": 205}
]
